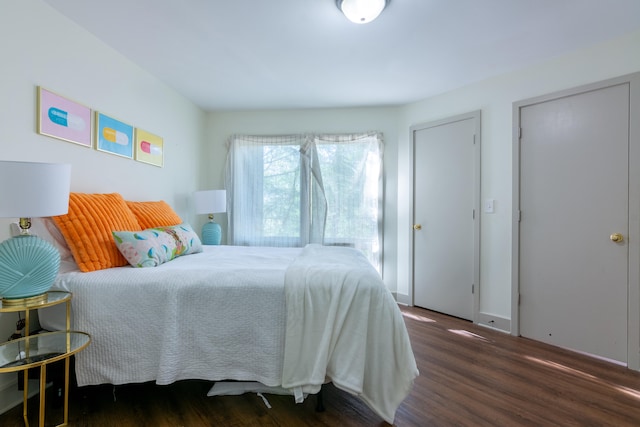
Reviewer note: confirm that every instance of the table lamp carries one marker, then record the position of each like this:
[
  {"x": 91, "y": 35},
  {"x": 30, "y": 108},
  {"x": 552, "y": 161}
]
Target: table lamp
[
  {"x": 210, "y": 202},
  {"x": 29, "y": 264}
]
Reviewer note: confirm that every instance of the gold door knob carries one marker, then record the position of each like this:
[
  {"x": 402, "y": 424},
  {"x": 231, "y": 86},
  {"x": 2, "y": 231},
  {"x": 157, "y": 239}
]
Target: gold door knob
[
  {"x": 417, "y": 227},
  {"x": 616, "y": 237}
]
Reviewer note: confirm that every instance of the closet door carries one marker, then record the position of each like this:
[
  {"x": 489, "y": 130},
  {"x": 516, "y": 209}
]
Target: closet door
[{"x": 574, "y": 221}]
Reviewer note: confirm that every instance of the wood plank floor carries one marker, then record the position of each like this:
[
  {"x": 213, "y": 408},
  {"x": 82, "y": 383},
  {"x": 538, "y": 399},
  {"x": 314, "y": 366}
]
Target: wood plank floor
[{"x": 469, "y": 376}]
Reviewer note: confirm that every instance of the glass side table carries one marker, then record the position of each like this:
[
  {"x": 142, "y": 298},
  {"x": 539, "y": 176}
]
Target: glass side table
[
  {"x": 38, "y": 351},
  {"x": 41, "y": 301},
  {"x": 41, "y": 349}
]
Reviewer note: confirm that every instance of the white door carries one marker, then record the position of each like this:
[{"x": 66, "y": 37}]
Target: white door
[
  {"x": 574, "y": 205},
  {"x": 445, "y": 198}
]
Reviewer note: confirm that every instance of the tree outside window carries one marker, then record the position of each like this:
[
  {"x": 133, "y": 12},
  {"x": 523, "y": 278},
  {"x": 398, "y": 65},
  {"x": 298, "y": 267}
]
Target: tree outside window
[{"x": 300, "y": 189}]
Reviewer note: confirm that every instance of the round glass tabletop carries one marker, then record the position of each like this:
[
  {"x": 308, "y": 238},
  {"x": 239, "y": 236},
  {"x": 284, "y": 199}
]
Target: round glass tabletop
[{"x": 40, "y": 349}]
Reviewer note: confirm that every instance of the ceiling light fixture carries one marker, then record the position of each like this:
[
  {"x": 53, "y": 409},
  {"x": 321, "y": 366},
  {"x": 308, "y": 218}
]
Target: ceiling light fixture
[{"x": 361, "y": 11}]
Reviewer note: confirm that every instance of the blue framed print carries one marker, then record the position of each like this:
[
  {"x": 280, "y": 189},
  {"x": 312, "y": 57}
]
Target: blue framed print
[{"x": 113, "y": 136}]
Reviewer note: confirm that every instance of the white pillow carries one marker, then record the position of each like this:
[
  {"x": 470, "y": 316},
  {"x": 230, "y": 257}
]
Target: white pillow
[{"x": 46, "y": 229}]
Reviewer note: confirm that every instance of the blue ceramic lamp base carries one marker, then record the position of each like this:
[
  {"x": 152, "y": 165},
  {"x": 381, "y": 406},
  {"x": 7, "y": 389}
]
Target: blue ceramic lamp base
[
  {"x": 211, "y": 233},
  {"x": 28, "y": 267}
]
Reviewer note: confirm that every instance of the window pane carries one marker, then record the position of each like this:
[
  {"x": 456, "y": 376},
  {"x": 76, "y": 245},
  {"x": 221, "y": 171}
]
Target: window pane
[
  {"x": 285, "y": 186},
  {"x": 350, "y": 174},
  {"x": 281, "y": 191}
]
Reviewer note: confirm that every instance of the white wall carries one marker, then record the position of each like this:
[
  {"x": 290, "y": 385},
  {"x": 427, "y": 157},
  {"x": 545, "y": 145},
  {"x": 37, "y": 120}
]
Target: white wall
[
  {"x": 221, "y": 125},
  {"x": 495, "y": 98},
  {"x": 41, "y": 47}
]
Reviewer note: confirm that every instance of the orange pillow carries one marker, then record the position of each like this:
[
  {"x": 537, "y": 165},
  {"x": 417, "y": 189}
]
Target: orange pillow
[
  {"x": 154, "y": 214},
  {"x": 88, "y": 225}
]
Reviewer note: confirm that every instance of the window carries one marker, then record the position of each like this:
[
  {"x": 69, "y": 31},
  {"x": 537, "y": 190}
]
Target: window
[{"x": 298, "y": 189}]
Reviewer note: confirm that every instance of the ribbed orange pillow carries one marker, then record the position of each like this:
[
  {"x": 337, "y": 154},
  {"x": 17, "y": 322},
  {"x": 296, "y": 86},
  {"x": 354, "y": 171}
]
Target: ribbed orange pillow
[
  {"x": 88, "y": 225},
  {"x": 154, "y": 214}
]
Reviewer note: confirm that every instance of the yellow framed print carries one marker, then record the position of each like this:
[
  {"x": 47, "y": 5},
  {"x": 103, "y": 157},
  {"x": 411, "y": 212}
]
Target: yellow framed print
[{"x": 149, "y": 148}]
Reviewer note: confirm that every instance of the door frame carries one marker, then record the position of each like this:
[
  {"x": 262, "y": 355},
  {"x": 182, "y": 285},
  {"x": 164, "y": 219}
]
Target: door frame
[
  {"x": 633, "y": 241},
  {"x": 476, "y": 117}
]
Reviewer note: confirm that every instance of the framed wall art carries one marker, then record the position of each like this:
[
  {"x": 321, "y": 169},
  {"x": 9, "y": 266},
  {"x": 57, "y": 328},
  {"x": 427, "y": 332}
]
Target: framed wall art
[
  {"x": 114, "y": 136},
  {"x": 149, "y": 148},
  {"x": 62, "y": 118}
]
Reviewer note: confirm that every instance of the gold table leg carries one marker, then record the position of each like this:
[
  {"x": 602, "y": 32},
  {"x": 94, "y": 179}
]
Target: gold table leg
[
  {"x": 66, "y": 369},
  {"x": 25, "y": 396},
  {"x": 43, "y": 381},
  {"x": 66, "y": 392}
]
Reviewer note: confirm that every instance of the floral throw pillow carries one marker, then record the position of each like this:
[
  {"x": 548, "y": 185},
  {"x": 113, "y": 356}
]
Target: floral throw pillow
[{"x": 155, "y": 246}]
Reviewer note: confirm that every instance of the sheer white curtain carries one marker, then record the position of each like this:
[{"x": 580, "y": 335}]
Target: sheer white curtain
[
  {"x": 292, "y": 190},
  {"x": 351, "y": 168}
]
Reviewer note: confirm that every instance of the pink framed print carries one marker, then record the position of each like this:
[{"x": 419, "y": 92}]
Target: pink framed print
[{"x": 62, "y": 118}]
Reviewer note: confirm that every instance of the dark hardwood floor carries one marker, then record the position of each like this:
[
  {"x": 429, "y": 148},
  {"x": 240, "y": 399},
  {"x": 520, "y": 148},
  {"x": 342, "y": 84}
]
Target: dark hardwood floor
[{"x": 469, "y": 376}]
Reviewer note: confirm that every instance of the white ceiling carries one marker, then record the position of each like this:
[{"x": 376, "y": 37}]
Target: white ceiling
[{"x": 262, "y": 54}]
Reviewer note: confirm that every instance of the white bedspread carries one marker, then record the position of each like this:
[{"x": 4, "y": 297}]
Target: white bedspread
[
  {"x": 344, "y": 326},
  {"x": 222, "y": 315},
  {"x": 189, "y": 318}
]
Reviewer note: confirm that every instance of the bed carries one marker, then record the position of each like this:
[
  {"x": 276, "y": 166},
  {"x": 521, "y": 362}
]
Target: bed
[{"x": 288, "y": 318}]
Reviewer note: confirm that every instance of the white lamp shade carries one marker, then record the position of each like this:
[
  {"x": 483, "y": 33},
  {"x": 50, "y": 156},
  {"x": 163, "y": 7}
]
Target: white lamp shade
[
  {"x": 29, "y": 189},
  {"x": 210, "y": 201},
  {"x": 29, "y": 265},
  {"x": 361, "y": 11}
]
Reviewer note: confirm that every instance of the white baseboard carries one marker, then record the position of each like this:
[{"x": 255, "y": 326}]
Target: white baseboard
[
  {"x": 492, "y": 321},
  {"x": 11, "y": 397},
  {"x": 499, "y": 323},
  {"x": 401, "y": 298}
]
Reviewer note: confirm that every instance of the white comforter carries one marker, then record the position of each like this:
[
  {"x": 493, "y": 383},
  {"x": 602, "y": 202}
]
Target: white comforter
[
  {"x": 344, "y": 326},
  {"x": 220, "y": 315},
  {"x": 215, "y": 315}
]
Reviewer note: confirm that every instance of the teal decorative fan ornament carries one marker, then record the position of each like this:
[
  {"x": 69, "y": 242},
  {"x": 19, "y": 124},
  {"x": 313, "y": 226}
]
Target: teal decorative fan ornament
[{"x": 29, "y": 264}]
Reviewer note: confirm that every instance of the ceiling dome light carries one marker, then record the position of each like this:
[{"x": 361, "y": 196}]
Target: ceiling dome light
[{"x": 361, "y": 11}]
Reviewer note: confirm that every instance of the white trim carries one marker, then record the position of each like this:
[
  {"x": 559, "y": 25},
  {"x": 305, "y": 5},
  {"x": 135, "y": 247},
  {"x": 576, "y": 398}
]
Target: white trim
[
  {"x": 402, "y": 299},
  {"x": 495, "y": 322}
]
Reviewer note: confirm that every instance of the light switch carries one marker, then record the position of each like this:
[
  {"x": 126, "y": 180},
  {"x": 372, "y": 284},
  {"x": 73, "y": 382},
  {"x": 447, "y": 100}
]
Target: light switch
[{"x": 488, "y": 206}]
